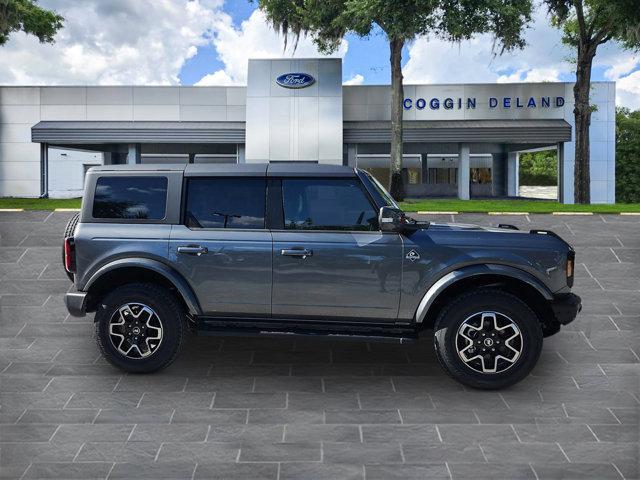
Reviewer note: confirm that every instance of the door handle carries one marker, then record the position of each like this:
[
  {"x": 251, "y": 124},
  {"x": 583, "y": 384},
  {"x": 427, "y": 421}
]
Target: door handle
[
  {"x": 296, "y": 252},
  {"x": 193, "y": 249}
]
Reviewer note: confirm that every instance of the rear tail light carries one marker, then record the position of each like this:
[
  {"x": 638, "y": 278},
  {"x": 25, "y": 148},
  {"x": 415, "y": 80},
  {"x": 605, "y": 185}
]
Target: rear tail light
[
  {"x": 69, "y": 255},
  {"x": 571, "y": 259}
]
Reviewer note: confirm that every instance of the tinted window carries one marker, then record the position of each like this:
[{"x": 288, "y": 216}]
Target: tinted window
[
  {"x": 141, "y": 198},
  {"x": 226, "y": 203},
  {"x": 327, "y": 204},
  {"x": 380, "y": 192}
]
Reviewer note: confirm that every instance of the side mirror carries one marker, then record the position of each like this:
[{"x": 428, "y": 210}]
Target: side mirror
[{"x": 391, "y": 219}]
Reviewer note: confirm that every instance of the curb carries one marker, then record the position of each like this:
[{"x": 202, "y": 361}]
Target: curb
[
  {"x": 427, "y": 212},
  {"x": 11, "y": 209},
  {"x": 507, "y": 213},
  {"x": 571, "y": 213},
  {"x": 630, "y": 213},
  {"x": 66, "y": 210}
]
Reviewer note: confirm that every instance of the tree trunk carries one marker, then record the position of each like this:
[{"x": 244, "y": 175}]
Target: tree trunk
[
  {"x": 582, "y": 114},
  {"x": 397, "y": 97}
]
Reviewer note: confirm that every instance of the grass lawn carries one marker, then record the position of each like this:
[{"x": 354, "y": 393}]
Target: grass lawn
[
  {"x": 529, "y": 206},
  {"x": 434, "y": 205},
  {"x": 40, "y": 203}
]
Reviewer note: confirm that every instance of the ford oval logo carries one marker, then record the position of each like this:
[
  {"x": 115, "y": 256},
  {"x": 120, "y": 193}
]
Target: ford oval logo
[{"x": 295, "y": 80}]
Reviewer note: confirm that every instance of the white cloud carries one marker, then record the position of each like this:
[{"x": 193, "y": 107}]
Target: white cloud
[
  {"x": 436, "y": 61},
  {"x": 628, "y": 91},
  {"x": 357, "y": 79},
  {"x": 531, "y": 75},
  {"x": 622, "y": 65},
  {"x": 253, "y": 39},
  {"x": 114, "y": 42},
  {"x": 216, "y": 78}
]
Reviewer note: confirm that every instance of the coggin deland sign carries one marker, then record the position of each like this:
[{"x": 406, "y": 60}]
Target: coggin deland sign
[
  {"x": 302, "y": 80},
  {"x": 469, "y": 103}
]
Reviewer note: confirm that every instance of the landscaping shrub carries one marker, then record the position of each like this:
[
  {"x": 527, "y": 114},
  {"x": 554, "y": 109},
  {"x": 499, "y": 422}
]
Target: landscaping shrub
[
  {"x": 627, "y": 156},
  {"x": 539, "y": 168}
]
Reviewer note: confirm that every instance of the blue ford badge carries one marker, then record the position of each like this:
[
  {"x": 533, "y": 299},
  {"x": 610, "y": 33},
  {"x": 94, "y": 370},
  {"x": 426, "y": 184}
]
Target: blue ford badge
[{"x": 295, "y": 80}]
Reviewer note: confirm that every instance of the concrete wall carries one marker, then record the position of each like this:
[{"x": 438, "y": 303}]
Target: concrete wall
[
  {"x": 294, "y": 124},
  {"x": 19, "y": 158},
  {"x": 23, "y": 107}
]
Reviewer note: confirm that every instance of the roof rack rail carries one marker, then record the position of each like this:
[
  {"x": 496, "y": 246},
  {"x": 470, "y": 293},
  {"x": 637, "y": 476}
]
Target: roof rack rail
[
  {"x": 508, "y": 226},
  {"x": 545, "y": 232}
]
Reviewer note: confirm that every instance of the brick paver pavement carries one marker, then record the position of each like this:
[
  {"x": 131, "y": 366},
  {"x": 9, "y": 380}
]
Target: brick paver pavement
[{"x": 310, "y": 408}]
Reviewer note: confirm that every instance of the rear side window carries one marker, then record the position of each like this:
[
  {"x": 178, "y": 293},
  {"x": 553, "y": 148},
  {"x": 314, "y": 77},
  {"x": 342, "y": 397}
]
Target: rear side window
[
  {"x": 133, "y": 198},
  {"x": 225, "y": 203},
  {"x": 327, "y": 204}
]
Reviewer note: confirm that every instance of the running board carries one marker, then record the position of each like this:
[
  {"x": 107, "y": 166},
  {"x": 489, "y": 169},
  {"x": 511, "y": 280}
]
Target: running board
[{"x": 355, "y": 331}]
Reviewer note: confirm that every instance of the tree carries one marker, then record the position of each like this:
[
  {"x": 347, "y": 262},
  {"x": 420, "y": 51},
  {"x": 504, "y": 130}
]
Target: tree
[
  {"x": 28, "y": 17},
  {"x": 627, "y": 156},
  {"x": 539, "y": 168},
  {"x": 327, "y": 21},
  {"x": 587, "y": 24}
]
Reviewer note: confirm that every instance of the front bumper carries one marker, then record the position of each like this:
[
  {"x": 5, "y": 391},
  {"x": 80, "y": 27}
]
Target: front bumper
[
  {"x": 566, "y": 307},
  {"x": 76, "y": 303}
]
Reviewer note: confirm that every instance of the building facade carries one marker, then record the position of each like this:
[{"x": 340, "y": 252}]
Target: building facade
[{"x": 460, "y": 140}]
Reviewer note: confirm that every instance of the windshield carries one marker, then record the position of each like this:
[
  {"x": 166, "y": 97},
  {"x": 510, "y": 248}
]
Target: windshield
[{"x": 381, "y": 191}]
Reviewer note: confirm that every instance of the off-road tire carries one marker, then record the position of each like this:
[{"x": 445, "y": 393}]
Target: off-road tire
[
  {"x": 68, "y": 232},
  {"x": 487, "y": 299},
  {"x": 168, "y": 310}
]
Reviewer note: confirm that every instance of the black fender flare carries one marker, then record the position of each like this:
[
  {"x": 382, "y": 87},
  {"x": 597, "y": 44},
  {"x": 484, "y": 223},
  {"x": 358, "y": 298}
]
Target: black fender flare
[
  {"x": 476, "y": 270},
  {"x": 177, "y": 280}
]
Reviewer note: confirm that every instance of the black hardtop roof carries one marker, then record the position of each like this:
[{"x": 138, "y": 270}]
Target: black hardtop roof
[{"x": 284, "y": 169}]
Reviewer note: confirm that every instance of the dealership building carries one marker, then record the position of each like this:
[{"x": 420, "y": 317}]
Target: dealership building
[{"x": 460, "y": 140}]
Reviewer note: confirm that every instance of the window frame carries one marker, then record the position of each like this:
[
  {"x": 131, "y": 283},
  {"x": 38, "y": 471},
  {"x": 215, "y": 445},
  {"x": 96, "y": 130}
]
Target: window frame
[
  {"x": 185, "y": 196},
  {"x": 92, "y": 195},
  {"x": 280, "y": 226}
]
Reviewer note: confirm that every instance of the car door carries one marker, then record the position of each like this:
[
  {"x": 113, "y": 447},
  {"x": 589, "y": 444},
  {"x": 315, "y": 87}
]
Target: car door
[
  {"x": 330, "y": 260},
  {"x": 223, "y": 248}
]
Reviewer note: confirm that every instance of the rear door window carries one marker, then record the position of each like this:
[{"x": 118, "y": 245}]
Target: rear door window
[
  {"x": 131, "y": 198},
  {"x": 226, "y": 202}
]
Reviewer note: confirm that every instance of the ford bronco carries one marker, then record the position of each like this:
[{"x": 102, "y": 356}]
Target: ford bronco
[{"x": 297, "y": 249}]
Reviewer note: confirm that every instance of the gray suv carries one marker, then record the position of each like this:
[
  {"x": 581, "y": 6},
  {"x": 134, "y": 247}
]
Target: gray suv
[{"x": 289, "y": 248}]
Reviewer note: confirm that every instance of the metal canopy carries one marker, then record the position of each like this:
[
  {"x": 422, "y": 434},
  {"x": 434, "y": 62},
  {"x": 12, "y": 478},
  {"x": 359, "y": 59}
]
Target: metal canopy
[
  {"x": 137, "y": 132},
  {"x": 494, "y": 131}
]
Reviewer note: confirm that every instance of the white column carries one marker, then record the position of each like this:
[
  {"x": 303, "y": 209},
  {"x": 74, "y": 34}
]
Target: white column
[
  {"x": 513, "y": 164},
  {"x": 352, "y": 154},
  {"x": 463, "y": 171},
  {"x": 241, "y": 155},
  {"x": 133, "y": 155}
]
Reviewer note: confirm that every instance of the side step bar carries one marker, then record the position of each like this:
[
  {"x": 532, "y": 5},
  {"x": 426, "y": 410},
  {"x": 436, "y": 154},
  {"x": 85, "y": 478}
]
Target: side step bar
[{"x": 355, "y": 331}]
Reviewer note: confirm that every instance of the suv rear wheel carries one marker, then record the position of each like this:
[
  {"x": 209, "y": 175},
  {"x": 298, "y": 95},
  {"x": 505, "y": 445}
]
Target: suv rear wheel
[
  {"x": 140, "y": 327},
  {"x": 487, "y": 338}
]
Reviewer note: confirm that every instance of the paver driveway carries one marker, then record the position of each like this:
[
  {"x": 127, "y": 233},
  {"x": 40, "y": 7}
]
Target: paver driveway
[{"x": 309, "y": 408}]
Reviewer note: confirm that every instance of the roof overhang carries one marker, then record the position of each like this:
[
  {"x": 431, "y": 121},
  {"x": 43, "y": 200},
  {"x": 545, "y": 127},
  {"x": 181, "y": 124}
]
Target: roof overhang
[
  {"x": 474, "y": 131},
  {"x": 70, "y": 133},
  {"x": 494, "y": 131}
]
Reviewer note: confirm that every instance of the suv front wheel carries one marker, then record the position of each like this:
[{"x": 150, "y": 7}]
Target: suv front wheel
[
  {"x": 140, "y": 327},
  {"x": 487, "y": 339}
]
